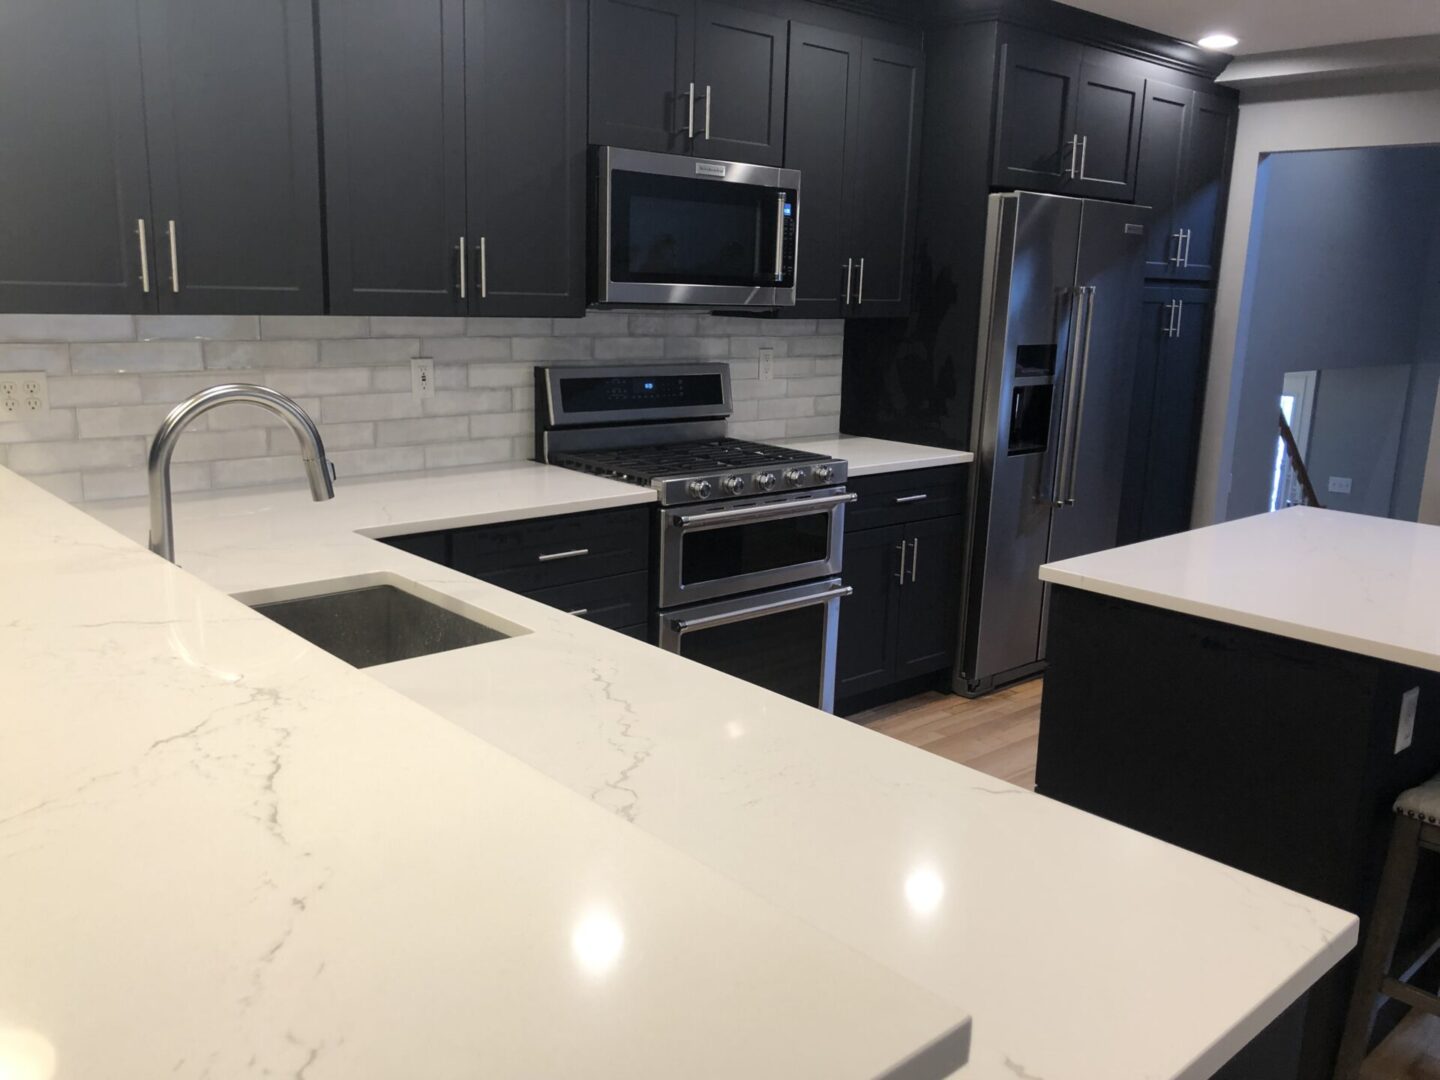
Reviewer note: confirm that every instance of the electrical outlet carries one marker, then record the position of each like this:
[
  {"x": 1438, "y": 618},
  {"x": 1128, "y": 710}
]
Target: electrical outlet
[
  {"x": 422, "y": 378},
  {"x": 24, "y": 395},
  {"x": 767, "y": 362},
  {"x": 1405, "y": 729},
  {"x": 1340, "y": 485}
]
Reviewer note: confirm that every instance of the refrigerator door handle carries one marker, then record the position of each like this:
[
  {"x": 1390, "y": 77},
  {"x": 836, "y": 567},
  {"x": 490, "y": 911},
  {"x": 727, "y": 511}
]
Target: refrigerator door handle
[
  {"x": 1060, "y": 460},
  {"x": 1079, "y": 408}
]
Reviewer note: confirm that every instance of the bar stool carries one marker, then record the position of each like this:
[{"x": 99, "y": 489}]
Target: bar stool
[{"x": 1417, "y": 828}]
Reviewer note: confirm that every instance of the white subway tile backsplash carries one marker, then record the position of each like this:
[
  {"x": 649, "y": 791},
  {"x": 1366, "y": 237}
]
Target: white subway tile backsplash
[{"x": 114, "y": 378}]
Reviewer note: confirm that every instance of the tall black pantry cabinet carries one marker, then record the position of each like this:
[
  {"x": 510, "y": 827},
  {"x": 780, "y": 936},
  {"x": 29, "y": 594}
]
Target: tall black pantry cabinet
[
  {"x": 160, "y": 156},
  {"x": 444, "y": 197}
]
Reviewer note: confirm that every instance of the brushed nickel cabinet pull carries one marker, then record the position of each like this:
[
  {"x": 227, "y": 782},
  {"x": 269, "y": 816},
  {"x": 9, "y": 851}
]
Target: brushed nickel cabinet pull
[
  {"x": 174, "y": 260},
  {"x": 557, "y": 555},
  {"x": 144, "y": 256}
]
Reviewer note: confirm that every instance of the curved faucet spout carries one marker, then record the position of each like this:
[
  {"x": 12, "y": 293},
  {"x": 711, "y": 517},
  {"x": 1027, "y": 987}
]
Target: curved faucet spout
[{"x": 312, "y": 450}]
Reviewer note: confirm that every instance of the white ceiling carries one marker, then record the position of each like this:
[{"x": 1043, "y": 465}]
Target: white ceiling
[{"x": 1271, "y": 25}]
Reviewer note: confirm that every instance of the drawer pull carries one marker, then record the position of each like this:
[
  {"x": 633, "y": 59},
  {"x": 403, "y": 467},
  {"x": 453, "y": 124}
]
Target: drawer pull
[
  {"x": 911, "y": 498},
  {"x": 555, "y": 555},
  {"x": 578, "y": 611}
]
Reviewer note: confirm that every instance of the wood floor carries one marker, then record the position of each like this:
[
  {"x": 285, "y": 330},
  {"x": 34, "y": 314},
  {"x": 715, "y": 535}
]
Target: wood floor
[{"x": 998, "y": 735}]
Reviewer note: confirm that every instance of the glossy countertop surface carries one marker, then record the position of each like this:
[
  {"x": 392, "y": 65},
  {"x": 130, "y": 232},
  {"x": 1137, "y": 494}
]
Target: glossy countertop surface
[
  {"x": 1363, "y": 584},
  {"x": 1052, "y": 929},
  {"x": 226, "y": 854},
  {"x": 866, "y": 456}
]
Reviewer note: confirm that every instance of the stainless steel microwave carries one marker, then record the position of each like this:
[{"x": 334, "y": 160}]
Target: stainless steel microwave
[{"x": 684, "y": 230}]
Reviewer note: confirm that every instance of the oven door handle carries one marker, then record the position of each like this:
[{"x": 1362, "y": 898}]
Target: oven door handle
[
  {"x": 792, "y": 508},
  {"x": 685, "y": 626}
]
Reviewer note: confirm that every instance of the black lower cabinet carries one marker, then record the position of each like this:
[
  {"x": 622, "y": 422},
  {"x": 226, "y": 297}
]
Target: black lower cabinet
[{"x": 904, "y": 549}]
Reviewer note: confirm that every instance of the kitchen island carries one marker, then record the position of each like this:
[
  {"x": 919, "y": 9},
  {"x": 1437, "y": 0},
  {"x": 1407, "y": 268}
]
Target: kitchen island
[
  {"x": 1049, "y": 928},
  {"x": 1258, "y": 692}
]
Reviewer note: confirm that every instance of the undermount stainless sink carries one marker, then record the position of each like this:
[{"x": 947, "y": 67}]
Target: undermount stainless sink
[{"x": 377, "y": 624}]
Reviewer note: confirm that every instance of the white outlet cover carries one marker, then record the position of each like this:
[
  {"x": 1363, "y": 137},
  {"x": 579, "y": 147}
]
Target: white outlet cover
[
  {"x": 24, "y": 395},
  {"x": 422, "y": 378},
  {"x": 767, "y": 362},
  {"x": 1405, "y": 729},
  {"x": 1340, "y": 485}
]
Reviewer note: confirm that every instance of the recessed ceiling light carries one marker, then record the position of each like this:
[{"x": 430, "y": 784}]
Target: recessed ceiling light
[{"x": 1218, "y": 41}]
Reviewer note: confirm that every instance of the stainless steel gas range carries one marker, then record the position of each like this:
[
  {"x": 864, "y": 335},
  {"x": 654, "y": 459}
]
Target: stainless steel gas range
[{"x": 748, "y": 540}]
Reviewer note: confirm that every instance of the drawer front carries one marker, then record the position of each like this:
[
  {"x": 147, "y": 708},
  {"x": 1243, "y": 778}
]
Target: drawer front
[
  {"x": 540, "y": 553},
  {"x": 616, "y": 602},
  {"x": 916, "y": 495}
]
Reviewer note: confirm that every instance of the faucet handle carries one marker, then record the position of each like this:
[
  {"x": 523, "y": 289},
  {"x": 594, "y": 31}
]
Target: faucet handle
[{"x": 330, "y": 465}]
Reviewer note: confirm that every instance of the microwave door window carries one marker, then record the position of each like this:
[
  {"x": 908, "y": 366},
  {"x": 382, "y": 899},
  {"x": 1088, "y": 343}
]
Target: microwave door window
[{"x": 670, "y": 229}]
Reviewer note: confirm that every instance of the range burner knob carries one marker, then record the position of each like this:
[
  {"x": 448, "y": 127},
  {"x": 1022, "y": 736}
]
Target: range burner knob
[
  {"x": 794, "y": 476},
  {"x": 734, "y": 485},
  {"x": 823, "y": 473},
  {"x": 765, "y": 480},
  {"x": 699, "y": 489}
]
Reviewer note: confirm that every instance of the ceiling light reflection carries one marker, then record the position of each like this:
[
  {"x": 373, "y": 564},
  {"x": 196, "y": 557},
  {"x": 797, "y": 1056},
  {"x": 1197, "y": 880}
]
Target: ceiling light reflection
[
  {"x": 924, "y": 889},
  {"x": 597, "y": 941},
  {"x": 25, "y": 1055}
]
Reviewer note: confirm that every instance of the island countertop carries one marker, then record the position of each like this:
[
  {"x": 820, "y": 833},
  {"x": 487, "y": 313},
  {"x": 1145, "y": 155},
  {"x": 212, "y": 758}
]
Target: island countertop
[
  {"x": 1362, "y": 584},
  {"x": 1046, "y": 925}
]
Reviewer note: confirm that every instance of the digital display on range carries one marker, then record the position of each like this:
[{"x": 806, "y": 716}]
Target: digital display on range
[{"x": 617, "y": 393}]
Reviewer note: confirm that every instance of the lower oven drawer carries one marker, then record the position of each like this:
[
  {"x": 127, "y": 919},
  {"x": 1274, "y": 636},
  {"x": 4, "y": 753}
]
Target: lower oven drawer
[{"x": 616, "y": 602}]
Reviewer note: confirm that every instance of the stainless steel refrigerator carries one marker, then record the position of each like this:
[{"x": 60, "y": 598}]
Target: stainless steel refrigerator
[{"x": 1059, "y": 330}]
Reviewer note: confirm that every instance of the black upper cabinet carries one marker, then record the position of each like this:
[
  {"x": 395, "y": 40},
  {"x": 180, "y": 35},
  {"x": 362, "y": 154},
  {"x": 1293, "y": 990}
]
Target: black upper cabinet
[
  {"x": 1068, "y": 118},
  {"x": 740, "y": 60},
  {"x": 526, "y": 171},
  {"x": 455, "y": 156},
  {"x": 642, "y": 72},
  {"x": 688, "y": 77},
  {"x": 392, "y": 73},
  {"x": 853, "y": 131},
  {"x": 1184, "y": 160},
  {"x": 234, "y": 155},
  {"x": 75, "y": 184}
]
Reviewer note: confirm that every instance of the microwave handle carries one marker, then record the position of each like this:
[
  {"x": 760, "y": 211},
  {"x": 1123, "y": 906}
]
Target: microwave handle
[{"x": 780, "y": 237}]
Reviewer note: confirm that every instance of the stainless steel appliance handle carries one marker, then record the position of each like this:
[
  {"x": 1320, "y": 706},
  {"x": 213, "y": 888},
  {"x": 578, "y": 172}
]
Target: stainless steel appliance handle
[
  {"x": 464, "y": 257},
  {"x": 1084, "y": 147},
  {"x": 914, "y": 558},
  {"x": 1179, "y": 315},
  {"x": 1080, "y": 399},
  {"x": 690, "y": 120},
  {"x": 849, "y": 272},
  {"x": 144, "y": 256},
  {"x": 789, "y": 508},
  {"x": 174, "y": 260},
  {"x": 1067, "y": 391},
  {"x": 484, "y": 271},
  {"x": 780, "y": 237},
  {"x": 900, "y": 500},
  {"x": 685, "y": 626},
  {"x": 903, "y": 547},
  {"x": 557, "y": 555},
  {"x": 708, "y": 95},
  {"x": 860, "y": 288}
]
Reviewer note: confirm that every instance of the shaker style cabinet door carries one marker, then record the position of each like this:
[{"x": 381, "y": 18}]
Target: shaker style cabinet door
[
  {"x": 1165, "y": 122},
  {"x": 393, "y": 87},
  {"x": 525, "y": 78},
  {"x": 886, "y": 173},
  {"x": 642, "y": 69},
  {"x": 740, "y": 61},
  {"x": 930, "y": 598},
  {"x": 234, "y": 155},
  {"x": 1107, "y": 133},
  {"x": 865, "y": 653},
  {"x": 74, "y": 180},
  {"x": 821, "y": 135},
  {"x": 1036, "y": 111},
  {"x": 1208, "y": 146}
]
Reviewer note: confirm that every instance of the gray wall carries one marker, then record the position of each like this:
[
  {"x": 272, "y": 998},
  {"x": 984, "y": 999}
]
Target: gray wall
[
  {"x": 1340, "y": 255},
  {"x": 112, "y": 378},
  {"x": 1355, "y": 432}
]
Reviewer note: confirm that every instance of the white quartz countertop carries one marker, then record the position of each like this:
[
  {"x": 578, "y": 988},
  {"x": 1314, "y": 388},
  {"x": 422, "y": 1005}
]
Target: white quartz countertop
[
  {"x": 227, "y": 854},
  {"x": 866, "y": 456},
  {"x": 1363, "y": 584},
  {"x": 1051, "y": 928}
]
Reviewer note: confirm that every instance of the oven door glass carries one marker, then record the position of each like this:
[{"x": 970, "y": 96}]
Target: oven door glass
[
  {"x": 706, "y": 554},
  {"x": 783, "y": 641},
  {"x": 672, "y": 229}
]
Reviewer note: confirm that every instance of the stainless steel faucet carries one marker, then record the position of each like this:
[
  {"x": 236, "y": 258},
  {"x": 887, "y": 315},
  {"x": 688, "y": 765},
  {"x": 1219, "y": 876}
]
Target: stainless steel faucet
[{"x": 312, "y": 450}]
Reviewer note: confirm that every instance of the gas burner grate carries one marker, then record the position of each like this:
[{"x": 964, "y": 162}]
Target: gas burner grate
[{"x": 645, "y": 464}]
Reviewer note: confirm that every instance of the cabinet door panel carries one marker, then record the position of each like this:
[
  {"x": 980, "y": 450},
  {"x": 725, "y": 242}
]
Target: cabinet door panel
[
  {"x": 1174, "y": 421},
  {"x": 642, "y": 61},
  {"x": 886, "y": 169},
  {"x": 526, "y": 166},
  {"x": 74, "y": 180},
  {"x": 740, "y": 59},
  {"x": 930, "y": 598},
  {"x": 865, "y": 653},
  {"x": 234, "y": 154},
  {"x": 1156, "y": 319},
  {"x": 1157, "y": 182},
  {"x": 392, "y": 72},
  {"x": 1036, "y": 111},
  {"x": 1107, "y": 119},
  {"x": 821, "y": 121},
  {"x": 1207, "y": 165}
]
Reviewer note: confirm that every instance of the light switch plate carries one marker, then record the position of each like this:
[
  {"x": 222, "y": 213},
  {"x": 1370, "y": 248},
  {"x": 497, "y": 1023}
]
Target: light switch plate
[
  {"x": 1405, "y": 729},
  {"x": 1340, "y": 485},
  {"x": 24, "y": 395}
]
